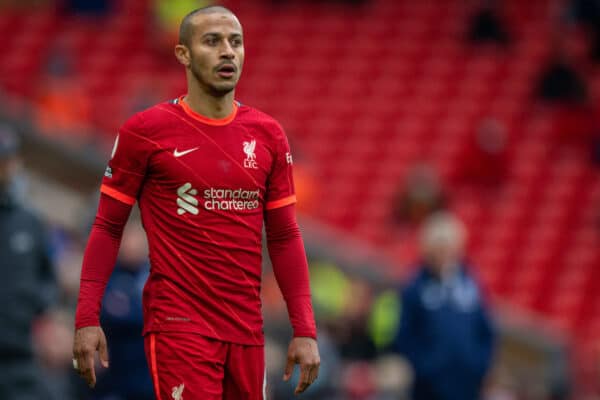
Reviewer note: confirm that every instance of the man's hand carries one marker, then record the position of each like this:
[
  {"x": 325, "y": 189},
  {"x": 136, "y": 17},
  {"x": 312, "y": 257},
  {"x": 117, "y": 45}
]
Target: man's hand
[
  {"x": 87, "y": 341},
  {"x": 303, "y": 351}
]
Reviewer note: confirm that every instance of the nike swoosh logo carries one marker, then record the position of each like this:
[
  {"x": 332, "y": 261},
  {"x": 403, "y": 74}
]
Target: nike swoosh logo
[{"x": 183, "y": 153}]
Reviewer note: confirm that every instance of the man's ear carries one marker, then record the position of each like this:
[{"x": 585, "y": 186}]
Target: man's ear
[{"x": 182, "y": 53}]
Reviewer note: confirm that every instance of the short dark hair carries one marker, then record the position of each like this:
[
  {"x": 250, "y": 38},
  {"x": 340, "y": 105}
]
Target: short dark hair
[{"x": 186, "y": 29}]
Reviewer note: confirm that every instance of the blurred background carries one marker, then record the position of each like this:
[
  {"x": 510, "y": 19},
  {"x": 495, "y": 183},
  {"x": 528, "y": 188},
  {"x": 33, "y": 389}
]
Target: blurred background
[{"x": 396, "y": 110}]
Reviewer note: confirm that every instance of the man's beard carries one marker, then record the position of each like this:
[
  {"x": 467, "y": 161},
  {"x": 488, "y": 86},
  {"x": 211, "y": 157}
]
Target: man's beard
[{"x": 211, "y": 89}]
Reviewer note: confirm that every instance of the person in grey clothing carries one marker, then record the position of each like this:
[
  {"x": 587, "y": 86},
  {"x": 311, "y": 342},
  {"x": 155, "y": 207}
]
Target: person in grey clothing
[{"x": 27, "y": 284}]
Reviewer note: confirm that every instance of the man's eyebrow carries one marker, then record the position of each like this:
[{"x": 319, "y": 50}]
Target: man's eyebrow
[{"x": 220, "y": 34}]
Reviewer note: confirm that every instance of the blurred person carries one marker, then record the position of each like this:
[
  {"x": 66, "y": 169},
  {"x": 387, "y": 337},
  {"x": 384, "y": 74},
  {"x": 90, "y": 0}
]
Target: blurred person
[
  {"x": 306, "y": 185},
  {"x": 168, "y": 14},
  {"x": 421, "y": 195},
  {"x": 68, "y": 268},
  {"x": 144, "y": 94},
  {"x": 28, "y": 284},
  {"x": 206, "y": 171},
  {"x": 56, "y": 112},
  {"x": 486, "y": 25},
  {"x": 485, "y": 158},
  {"x": 88, "y": 7},
  {"x": 559, "y": 81},
  {"x": 383, "y": 319},
  {"x": 128, "y": 377},
  {"x": 445, "y": 331},
  {"x": 330, "y": 289},
  {"x": 588, "y": 13},
  {"x": 351, "y": 327},
  {"x": 53, "y": 336},
  {"x": 562, "y": 86}
]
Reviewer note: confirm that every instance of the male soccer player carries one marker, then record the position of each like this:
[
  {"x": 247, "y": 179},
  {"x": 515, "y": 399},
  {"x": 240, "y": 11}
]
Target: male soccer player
[{"x": 205, "y": 171}]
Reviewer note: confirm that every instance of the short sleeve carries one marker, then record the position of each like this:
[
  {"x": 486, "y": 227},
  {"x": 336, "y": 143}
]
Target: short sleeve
[
  {"x": 127, "y": 167},
  {"x": 280, "y": 184}
]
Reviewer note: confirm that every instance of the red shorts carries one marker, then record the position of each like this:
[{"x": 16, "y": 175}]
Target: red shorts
[{"x": 186, "y": 366}]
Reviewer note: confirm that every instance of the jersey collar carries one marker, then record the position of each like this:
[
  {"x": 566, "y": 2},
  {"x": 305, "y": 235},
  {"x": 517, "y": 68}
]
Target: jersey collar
[{"x": 206, "y": 120}]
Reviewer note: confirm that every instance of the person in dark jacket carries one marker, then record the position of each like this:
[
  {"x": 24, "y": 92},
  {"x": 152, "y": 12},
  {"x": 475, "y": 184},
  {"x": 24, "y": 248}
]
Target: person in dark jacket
[
  {"x": 487, "y": 26},
  {"x": 28, "y": 284},
  {"x": 445, "y": 331}
]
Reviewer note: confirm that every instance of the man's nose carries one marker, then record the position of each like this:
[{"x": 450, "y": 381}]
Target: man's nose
[{"x": 227, "y": 51}]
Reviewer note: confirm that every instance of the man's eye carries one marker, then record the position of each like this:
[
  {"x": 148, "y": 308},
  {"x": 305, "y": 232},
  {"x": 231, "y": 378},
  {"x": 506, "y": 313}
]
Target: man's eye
[
  {"x": 236, "y": 42},
  {"x": 211, "y": 41}
]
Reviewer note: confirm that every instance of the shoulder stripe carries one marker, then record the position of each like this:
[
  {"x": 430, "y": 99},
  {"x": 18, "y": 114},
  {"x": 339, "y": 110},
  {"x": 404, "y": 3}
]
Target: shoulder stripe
[
  {"x": 115, "y": 194},
  {"x": 286, "y": 201}
]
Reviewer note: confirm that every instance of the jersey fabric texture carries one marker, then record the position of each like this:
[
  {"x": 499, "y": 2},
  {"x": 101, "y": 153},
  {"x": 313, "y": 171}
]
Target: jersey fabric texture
[{"x": 202, "y": 186}]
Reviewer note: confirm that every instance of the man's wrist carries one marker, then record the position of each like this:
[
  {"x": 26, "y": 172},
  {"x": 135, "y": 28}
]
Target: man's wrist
[
  {"x": 84, "y": 323},
  {"x": 305, "y": 334}
]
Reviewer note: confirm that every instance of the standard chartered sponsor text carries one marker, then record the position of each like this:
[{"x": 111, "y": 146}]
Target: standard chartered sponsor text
[{"x": 231, "y": 199}]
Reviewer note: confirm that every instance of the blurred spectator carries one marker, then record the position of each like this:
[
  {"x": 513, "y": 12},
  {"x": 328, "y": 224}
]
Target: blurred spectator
[
  {"x": 68, "y": 267},
  {"x": 88, "y": 7},
  {"x": 559, "y": 80},
  {"x": 419, "y": 197},
  {"x": 144, "y": 93},
  {"x": 352, "y": 335},
  {"x": 588, "y": 13},
  {"x": 168, "y": 15},
  {"x": 486, "y": 25},
  {"x": 60, "y": 60},
  {"x": 485, "y": 158},
  {"x": 445, "y": 331},
  {"x": 53, "y": 336},
  {"x": 28, "y": 287},
  {"x": 561, "y": 85},
  {"x": 63, "y": 109},
  {"x": 383, "y": 319},
  {"x": 307, "y": 187},
  {"x": 330, "y": 289},
  {"x": 128, "y": 377}
]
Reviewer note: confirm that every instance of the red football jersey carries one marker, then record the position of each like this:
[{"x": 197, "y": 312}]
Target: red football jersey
[{"x": 202, "y": 186}]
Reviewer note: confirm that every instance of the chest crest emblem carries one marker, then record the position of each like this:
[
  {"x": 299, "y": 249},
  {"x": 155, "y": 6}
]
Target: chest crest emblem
[{"x": 250, "y": 161}]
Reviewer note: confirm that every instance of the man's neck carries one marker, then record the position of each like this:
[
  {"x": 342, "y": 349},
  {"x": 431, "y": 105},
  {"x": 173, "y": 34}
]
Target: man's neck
[{"x": 208, "y": 105}]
